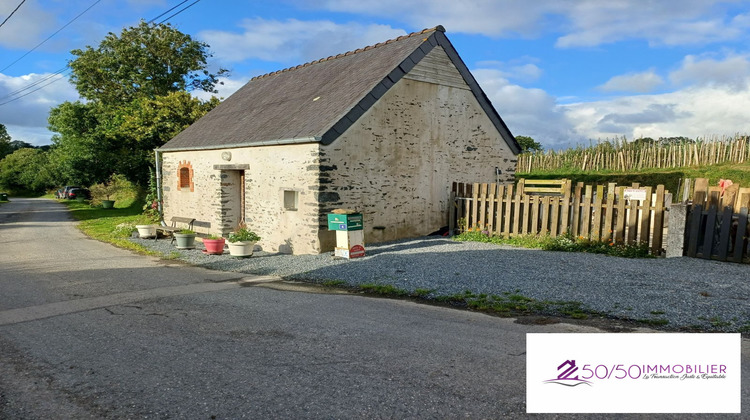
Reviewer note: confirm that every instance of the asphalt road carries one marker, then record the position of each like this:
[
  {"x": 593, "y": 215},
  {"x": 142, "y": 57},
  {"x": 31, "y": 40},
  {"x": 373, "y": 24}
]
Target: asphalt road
[{"x": 88, "y": 330}]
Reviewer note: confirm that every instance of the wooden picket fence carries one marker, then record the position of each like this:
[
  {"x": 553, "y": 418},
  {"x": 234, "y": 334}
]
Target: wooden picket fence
[
  {"x": 555, "y": 207},
  {"x": 717, "y": 222},
  {"x": 624, "y": 156}
]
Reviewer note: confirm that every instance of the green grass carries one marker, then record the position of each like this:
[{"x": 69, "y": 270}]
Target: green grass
[
  {"x": 113, "y": 226},
  {"x": 739, "y": 173},
  {"x": 334, "y": 283},
  {"x": 655, "y": 322},
  {"x": 565, "y": 243},
  {"x": 383, "y": 289},
  {"x": 514, "y": 303}
]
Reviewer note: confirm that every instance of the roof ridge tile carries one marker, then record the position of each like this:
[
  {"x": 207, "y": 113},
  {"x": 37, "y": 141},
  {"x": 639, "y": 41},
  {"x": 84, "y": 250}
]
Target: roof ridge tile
[{"x": 438, "y": 28}]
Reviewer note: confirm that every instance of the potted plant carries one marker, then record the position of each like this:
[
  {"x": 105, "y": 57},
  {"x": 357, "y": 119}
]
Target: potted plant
[
  {"x": 242, "y": 241},
  {"x": 185, "y": 239},
  {"x": 214, "y": 245},
  {"x": 104, "y": 192},
  {"x": 146, "y": 231}
]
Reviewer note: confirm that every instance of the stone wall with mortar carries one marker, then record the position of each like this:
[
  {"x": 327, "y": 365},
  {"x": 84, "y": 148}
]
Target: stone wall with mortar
[
  {"x": 269, "y": 171},
  {"x": 396, "y": 163}
]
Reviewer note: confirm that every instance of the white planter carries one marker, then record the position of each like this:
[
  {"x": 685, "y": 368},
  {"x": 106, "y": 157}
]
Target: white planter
[
  {"x": 146, "y": 231},
  {"x": 241, "y": 249}
]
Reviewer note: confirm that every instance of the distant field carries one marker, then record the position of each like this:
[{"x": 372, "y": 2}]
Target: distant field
[
  {"x": 739, "y": 173},
  {"x": 645, "y": 161}
]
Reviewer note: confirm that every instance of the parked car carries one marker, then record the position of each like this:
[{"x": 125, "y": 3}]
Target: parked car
[
  {"x": 66, "y": 190},
  {"x": 78, "y": 192}
]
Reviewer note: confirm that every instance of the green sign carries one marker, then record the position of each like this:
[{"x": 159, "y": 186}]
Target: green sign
[{"x": 345, "y": 221}]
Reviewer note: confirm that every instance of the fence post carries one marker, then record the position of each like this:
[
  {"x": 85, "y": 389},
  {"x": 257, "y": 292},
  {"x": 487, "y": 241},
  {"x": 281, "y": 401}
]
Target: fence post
[{"x": 676, "y": 231}]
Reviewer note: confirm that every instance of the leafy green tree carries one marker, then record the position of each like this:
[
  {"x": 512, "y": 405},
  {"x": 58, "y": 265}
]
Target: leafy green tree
[
  {"x": 136, "y": 85},
  {"x": 528, "y": 144},
  {"x": 5, "y": 146},
  {"x": 82, "y": 153},
  {"x": 26, "y": 170},
  {"x": 147, "y": 60}
]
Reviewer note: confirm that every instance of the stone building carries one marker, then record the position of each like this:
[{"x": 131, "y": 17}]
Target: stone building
[{"x": 384, "y": 130}]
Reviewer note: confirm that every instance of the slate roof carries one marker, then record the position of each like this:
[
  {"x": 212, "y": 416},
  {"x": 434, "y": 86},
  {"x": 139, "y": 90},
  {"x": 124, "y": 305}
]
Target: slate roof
[{"x": 318, "y": 101}]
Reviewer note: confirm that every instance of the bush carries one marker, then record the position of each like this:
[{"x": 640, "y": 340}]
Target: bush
[
  {"x": 116, "y": 187},
  {"x": 566, "y": 243}
]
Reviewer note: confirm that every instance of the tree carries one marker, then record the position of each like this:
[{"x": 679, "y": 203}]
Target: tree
[
  {"x": 26, "y": 170},
  {"x": 81, "y": 152},
  {"x": 528, "y": 144},
  {"x": 5, "y": 146},
  {"x": 136, "y": 85},
  {"x": 147, "y": 60}
]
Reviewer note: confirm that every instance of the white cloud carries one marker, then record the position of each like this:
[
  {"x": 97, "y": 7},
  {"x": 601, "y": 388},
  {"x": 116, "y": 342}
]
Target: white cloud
[
  {"x": 693, "y": 112},
  {"x": 634, "y": 82},
  {"x": 228, "y": 87},
  {"x": 733, "y": 71},
  {"x": 27, "y": 27},
  {"x": 595, "y": 22},
  {"x": 528, "y": 112},
  {"x": 488, "y": 17},
  {"x": 522, "y": 69},
  {"x": 583, "y": 23},
  {"x": 293, "y": 41},
  {"x": 28, "y": 116}
]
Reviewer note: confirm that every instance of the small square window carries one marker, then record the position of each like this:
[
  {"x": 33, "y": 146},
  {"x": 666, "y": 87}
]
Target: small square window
[{"x": 290, "y": 200}]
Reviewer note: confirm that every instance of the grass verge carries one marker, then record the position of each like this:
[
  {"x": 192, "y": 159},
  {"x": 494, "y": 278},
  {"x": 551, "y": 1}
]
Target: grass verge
[
  {"x": 507, "y": 304},
  {"x": 566, "y": 243},
  {"x": 739, "y": 173},
  {"x": 114, "y": 225}
]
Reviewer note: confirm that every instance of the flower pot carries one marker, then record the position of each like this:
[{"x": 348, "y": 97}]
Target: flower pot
[
  {"x": 108, "y": 204},
  {"x": 185, "y": 240},
  {"x": 214, "y": 246},
  {"x": 241, "y": 248},
  {"x": 80, "y": 199},
  {"x": 146, "y": 231}
]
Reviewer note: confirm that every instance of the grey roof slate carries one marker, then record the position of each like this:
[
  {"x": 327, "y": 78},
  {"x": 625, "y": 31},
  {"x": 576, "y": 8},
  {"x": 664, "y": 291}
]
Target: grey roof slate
[{"x": 319, "y": 100}]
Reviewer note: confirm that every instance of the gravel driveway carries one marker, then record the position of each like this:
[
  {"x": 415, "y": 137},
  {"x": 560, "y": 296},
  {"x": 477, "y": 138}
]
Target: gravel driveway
[{"x": 681, "y": 292}]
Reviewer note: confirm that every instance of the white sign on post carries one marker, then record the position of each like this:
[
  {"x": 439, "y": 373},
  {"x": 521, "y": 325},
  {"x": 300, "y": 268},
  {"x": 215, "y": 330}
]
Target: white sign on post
[{"x": 635, "y": 194}]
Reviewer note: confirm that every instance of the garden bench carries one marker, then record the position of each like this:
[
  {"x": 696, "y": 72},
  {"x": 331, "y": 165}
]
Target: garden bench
[{"x": 174, "y": 228}]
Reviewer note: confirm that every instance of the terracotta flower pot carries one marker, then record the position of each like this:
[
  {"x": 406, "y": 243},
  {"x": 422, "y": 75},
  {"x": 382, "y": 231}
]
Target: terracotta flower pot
[{"x": 214, "y": 246}]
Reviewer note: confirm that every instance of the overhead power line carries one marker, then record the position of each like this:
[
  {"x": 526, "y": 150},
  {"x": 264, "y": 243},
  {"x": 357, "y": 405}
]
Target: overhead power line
[
  {"x": 11, "y": 13},
  {"x": 39, "y": 88},
  {"x": 51, "y": 77},
  {"x": 31, "y": 85},
  {"x": 174, "y": 7},
  {"x": 49, "y": 37},
  {"x": 186, "y": 7}
]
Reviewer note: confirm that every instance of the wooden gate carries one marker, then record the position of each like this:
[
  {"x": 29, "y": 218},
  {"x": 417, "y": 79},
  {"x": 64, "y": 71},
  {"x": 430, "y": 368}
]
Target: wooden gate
[
  {"x": 617, "y": 214},
  {"x": 722, "y": 236},
  {"x": 717, "y": 221}
]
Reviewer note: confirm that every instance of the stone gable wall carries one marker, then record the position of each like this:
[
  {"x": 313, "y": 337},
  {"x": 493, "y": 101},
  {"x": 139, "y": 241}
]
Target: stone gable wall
[{"x": 397, "y": 162}]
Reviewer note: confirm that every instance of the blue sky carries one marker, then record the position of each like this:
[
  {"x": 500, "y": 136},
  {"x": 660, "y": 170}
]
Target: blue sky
[{"x": 561, "y": 71}]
